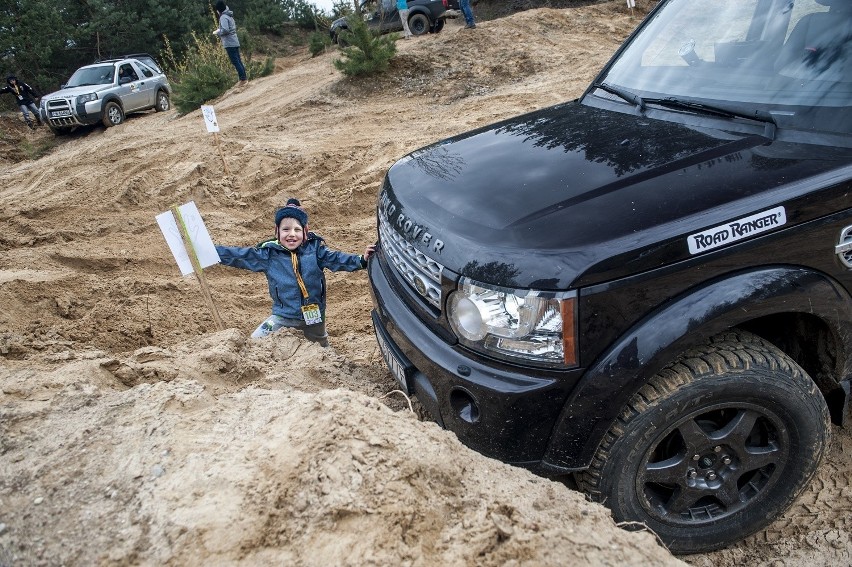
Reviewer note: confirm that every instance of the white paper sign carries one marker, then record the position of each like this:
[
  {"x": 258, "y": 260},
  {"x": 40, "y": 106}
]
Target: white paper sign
[
  {"x": 209, "y": 118},
  {"x": 200, "y": 239}
]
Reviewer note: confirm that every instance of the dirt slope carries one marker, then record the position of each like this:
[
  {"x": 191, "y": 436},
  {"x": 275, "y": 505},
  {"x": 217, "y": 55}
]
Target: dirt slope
[{"x": 132, "y": 432}]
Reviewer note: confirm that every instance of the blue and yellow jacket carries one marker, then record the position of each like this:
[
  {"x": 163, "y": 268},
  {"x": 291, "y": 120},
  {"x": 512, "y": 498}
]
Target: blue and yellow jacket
[{"x": 276, "y": 262}]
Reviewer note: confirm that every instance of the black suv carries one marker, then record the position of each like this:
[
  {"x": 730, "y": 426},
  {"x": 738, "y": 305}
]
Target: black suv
[
  {"x": 647, "y": 287},
  {"x": 424, "y": 16}
]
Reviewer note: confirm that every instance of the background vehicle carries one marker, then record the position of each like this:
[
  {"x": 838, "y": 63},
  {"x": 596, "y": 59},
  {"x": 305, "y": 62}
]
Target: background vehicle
[
  {"x": 424, "y": 16},
  {"x": 106, "y": 92},
  {"x": 648, "y": 287}
]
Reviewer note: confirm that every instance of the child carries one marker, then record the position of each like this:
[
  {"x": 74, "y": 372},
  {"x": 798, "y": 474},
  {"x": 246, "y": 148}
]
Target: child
[{"x": 293, "y": 264}]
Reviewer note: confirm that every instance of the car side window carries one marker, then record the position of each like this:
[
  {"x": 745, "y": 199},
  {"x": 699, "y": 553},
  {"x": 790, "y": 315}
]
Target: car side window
[
  {"x": 146, "y": 71},
  {"x": 126, "y": 74}
]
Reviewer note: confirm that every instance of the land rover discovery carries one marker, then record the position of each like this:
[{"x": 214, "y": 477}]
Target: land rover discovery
[{"x": 648, "y": 287}]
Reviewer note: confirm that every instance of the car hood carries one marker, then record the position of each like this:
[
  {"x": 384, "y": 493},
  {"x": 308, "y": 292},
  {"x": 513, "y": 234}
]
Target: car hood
[
  {"x": 72, "y": 92},
  {"x": 574, "y": 195}
]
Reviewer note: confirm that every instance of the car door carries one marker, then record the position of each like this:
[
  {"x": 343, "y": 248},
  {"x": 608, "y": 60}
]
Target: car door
[
  {"x": 147, "y": 84},
  {"x": 389, "y": 16},
  {"x": 130, "y": 88},
  {"x": 382, "y": 16}
]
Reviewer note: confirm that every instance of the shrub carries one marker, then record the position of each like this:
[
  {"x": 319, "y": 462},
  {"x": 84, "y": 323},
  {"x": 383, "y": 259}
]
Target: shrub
[
  {"x": 368, "y": 52},
  {"x": 318, "y": 42},
  {"x": 204, "y": 71}
]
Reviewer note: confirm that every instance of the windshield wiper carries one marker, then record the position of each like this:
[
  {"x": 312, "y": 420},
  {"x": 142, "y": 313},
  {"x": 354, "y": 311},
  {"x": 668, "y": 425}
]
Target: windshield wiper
[
  {"x": 704, "y": 108},
  {"x": 629, "y": 96}
]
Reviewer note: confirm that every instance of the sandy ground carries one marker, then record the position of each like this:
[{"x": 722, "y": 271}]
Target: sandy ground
[{"x": 132, "y": 432}]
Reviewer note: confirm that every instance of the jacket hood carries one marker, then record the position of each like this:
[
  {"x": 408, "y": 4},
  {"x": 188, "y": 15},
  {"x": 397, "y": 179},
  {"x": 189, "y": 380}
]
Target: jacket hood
[{"x": 574, "y": 195}]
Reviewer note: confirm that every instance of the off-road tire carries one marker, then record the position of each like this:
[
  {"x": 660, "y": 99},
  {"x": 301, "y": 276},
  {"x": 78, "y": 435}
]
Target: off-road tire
[
  {"x": 419, "y": 24},
  {"x": 113, "y": 115},
  {"x": 714, "y": 447},
  {"x": 439, "y": 25},
  {"x": 163, "y": 103}
]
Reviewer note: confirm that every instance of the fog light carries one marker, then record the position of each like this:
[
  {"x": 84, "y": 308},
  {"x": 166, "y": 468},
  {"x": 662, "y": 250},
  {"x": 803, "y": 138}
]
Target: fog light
[{"x": 464, "y": 405}]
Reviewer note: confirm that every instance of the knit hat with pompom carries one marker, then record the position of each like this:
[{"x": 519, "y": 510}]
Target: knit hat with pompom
[{"x": 294, "y": 210}]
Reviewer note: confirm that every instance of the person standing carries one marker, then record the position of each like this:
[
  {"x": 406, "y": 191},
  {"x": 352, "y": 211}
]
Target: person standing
[
  {"x": 402, "y": 8},
  {"x": 469, "y": 23},
  {"x": 24, "y": 96},
  {"x": 227, "y": 32}
]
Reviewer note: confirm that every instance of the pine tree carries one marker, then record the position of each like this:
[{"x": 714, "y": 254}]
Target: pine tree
[{"x": 367, "y": 52}]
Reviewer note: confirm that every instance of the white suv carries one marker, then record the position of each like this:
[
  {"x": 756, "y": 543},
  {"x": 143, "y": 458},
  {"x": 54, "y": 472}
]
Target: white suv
[{"x": 105, "y": 92}]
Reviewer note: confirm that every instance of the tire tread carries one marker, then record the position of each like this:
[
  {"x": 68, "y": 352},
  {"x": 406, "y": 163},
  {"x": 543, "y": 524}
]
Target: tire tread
[{"x": 732, "y": 351}]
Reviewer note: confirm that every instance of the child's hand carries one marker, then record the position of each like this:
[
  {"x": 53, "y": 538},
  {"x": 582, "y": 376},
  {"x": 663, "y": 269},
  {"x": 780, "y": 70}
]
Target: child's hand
[{"x": 368, "y": 251}]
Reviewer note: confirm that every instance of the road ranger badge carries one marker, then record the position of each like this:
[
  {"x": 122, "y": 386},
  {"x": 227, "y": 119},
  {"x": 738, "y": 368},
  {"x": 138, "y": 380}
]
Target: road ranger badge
[{"x": 739, "y": 229}]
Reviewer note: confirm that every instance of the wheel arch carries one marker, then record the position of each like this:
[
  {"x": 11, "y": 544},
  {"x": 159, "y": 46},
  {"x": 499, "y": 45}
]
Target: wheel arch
[
  {"x": 420, "y": 10},
  {"x": 755, "y": 300},
  {"x": 112, "y": 98}
]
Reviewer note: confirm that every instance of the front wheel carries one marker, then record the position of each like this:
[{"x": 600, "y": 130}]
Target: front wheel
[
  {"x": 113, "y": 115},
  {"x": 714, "y": 447},
  {"x": 419, "y": 24},
  {"x": 163, "y": 103},
  {"x": 439, "y": 25}
]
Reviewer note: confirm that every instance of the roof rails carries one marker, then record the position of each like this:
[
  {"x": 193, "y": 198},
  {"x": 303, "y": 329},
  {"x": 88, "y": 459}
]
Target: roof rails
[{"x": 146, "y": 58}]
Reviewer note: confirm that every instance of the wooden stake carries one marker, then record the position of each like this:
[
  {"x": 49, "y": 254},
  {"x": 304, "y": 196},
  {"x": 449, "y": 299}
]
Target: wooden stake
[
  {"x": 199, "y": 271},
  {"x": 221, "y": 153}
]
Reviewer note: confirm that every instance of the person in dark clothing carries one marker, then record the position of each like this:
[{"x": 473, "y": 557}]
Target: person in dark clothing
[
  {"x": 227, "y": 32},
  {"x": 25, "y": 97}
]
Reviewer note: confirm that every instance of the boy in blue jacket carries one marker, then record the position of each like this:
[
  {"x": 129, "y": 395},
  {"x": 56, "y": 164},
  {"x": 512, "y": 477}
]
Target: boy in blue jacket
[{"x": 293, "y": 263}]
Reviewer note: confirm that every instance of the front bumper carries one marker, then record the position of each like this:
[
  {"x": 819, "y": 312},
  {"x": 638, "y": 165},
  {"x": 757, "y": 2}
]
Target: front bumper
[
  {"x": 502, "y": 411},
  {"x": 75, "y": 114}
]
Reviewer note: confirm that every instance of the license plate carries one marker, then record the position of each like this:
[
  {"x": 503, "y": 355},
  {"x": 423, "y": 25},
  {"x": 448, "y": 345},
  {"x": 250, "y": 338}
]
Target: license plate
[
  {"x": 396, "y": 367},
  {"x": 60, "y": 113}
]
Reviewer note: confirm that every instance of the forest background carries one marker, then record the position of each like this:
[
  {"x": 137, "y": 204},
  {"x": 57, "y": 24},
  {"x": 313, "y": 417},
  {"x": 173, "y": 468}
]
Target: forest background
[{"x": 44, "y": 41}]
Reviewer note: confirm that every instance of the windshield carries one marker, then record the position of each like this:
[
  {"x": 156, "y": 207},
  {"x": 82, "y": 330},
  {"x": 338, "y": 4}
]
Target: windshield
[
  {"x": 788, "y": 61},
  {"x": 99, "y": 75}
]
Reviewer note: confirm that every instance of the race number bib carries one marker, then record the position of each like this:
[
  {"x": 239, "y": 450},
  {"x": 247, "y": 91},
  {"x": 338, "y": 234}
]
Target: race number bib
[{"x": 312, "y": 314}]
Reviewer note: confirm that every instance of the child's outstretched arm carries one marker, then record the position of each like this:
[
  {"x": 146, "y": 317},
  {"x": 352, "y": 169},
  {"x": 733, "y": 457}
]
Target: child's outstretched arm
[
  {"x": 254, "y": 259},
  {"x": 337, "y": 261}
]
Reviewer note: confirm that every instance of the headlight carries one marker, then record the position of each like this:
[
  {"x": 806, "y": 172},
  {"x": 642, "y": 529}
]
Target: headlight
[
  {"x": 528, "y": 325},
  {"x": 88, "y": 97}
]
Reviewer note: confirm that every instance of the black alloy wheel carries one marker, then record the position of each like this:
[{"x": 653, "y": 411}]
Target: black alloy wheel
[
  {"x": 714, "y": 447},
  {"x": 419, "y": 24}
]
